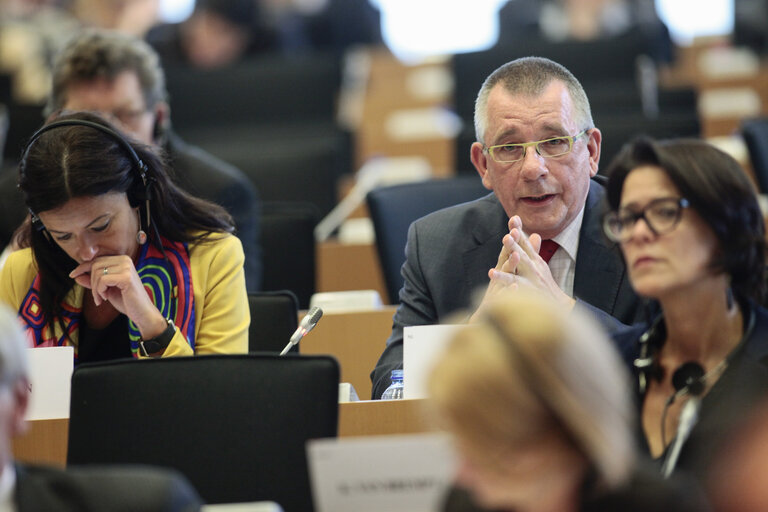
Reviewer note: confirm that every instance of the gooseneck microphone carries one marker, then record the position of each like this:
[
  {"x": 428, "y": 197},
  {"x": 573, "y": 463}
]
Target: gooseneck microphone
[
  {"x": 307, "y": 324},
  {"x": 688, "y": 379}
]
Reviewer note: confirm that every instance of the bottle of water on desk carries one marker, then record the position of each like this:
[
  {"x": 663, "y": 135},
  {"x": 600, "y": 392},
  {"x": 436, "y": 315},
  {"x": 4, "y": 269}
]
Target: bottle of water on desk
[{"x": 395, "y": 390}]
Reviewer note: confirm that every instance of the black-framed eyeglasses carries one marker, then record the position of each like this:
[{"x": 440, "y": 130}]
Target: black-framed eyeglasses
[
  {"x": 660, "y": 215},
  {"x": 548, "y": 148}
]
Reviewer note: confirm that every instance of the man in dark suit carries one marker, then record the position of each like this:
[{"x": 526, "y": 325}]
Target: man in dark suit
[
  {"x": 538, "y": 151},
  {"x": 121, "y": 78},
  {"x": 31, "y": 488}
]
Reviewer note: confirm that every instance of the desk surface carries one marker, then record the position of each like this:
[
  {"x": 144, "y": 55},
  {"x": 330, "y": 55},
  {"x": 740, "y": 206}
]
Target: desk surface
[{"x": 46, "y": 440}]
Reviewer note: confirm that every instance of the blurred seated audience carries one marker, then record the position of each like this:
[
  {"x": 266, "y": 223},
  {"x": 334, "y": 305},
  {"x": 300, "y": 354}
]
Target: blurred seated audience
[
  {"x": 324, "y": 25},
  {"x": 120, "y": 77},
  {"x": 32, "y": 32},
  {"x": 115, "y": 259},
  {"x": 219, "y": 33},
  {"x": 687, "y": 220},
  {"x": 585, "y": 20},
  {"x": 132, "y": 17},
  {"x": 25, "y": 488},
  {"x": 539, "y": 404}
]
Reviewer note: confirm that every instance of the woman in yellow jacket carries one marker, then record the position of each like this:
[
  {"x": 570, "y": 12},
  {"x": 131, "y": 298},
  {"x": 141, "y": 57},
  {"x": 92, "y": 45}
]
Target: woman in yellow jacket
[{"x": 115, "y": 260}]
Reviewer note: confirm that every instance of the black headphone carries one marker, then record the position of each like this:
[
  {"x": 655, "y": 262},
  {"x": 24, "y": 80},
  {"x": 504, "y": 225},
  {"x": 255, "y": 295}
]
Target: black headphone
[
  {"x": 140, "y": 194},
  {"x": 688, "y": 377}
]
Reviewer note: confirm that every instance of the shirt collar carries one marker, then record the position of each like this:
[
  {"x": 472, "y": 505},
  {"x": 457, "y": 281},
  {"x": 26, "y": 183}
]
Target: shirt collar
[{"x": 568, "y": 238}]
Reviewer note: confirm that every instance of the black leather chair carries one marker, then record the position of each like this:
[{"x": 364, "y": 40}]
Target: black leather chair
[
  {"x": 274, "y": 318},
  {"x": 392, "y": 210},
  {"x": 755, "y": 133},
  {"x": 288, "y": 248},
  {"x": 236, "y": 426},
  {"x": 266, "y": 89}
]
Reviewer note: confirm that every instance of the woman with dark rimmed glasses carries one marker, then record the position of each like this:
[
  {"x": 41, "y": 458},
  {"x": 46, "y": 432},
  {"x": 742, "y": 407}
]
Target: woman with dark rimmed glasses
[{"x": 688, "y": 223}]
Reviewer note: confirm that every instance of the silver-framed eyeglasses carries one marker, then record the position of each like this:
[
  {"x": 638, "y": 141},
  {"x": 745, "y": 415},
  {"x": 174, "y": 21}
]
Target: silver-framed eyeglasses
[
  {"x": 548, "y": 148},
  {"x": 660, "y": 215}
]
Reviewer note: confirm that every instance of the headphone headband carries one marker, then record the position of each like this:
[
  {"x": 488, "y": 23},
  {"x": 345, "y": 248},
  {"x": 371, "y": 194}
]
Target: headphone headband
[{"x": 141, "y": 167}]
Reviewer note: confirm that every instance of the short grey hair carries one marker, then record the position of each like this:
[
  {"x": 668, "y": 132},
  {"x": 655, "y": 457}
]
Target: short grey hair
[
  {"x": 99, "y": 53},
  {"x": 529, "y": 76},
  {"x": 13, "y": 348}
]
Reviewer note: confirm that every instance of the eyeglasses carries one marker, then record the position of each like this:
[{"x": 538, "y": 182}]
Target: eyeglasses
[
  {"x": 127, "y": 116},
  {"x": 660, "y": 215},
  {"x": 548, "y": 148}
]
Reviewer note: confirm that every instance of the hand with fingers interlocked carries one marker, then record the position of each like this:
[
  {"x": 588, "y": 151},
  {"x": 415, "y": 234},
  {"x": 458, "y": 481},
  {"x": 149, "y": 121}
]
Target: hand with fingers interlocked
[{"x": 520, "y": 266}]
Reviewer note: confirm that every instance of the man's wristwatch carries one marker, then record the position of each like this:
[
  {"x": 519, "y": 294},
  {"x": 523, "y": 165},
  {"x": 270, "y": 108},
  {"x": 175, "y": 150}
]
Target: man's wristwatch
[{"x": 159, "y": 342}]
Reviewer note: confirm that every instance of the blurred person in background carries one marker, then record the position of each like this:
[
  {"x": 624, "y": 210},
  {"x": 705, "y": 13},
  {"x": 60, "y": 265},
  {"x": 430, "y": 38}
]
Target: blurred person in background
[
  {"x": 219, "y": 33},
  {"x": 323, "y": 25},
  {"x": 585, "y": 20},
  {"x": 540, "y": 406}
]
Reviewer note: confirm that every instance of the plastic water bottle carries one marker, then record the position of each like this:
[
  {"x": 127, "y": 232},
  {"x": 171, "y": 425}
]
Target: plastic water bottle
[{"x": 395, "y": 390}]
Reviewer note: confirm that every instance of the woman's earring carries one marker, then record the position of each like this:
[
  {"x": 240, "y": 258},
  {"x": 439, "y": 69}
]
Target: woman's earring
[{"x": 141, "y": 235}]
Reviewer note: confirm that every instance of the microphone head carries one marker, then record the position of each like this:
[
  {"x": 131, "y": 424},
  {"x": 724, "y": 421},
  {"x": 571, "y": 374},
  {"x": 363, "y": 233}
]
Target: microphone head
[
  {"x": 315, "y": 314},
  {"x": 689, "y": 376},
  {"x": 310, "y": 319}
]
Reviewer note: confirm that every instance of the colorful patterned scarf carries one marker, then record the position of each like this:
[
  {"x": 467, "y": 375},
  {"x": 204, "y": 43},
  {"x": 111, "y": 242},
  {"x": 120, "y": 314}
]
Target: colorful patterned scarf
[{"x": 167, "y": 280}]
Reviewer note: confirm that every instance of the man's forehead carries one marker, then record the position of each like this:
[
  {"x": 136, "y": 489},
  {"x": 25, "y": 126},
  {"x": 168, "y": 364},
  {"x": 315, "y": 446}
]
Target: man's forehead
[{"x": 105, "y": 93}]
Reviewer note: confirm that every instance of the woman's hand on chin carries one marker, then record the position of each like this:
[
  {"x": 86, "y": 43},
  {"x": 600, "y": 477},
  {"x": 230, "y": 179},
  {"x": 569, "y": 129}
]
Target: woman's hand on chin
[{"x": 114, "y": 279}]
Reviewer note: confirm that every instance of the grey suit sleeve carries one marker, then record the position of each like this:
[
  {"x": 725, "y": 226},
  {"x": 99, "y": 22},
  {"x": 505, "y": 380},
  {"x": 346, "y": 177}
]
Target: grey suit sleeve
[
  {"x": 610, "y": 324},
  {"x": 416, "y": 308}
]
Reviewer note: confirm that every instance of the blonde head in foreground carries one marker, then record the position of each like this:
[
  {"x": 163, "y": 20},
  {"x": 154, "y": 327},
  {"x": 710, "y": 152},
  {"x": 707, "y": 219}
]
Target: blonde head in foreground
[{"x": 538, "y": 402}]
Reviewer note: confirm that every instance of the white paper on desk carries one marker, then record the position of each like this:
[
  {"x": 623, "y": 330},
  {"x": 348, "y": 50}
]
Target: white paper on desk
[
  {"x": 50, "y": 371},
  {"x": 380, "y": 473},
  {"x": 421, "y": 346}
]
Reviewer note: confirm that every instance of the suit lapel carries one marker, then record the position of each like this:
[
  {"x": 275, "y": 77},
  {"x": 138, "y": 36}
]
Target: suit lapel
[
  {"x": 486, "y": 244},
  {"x": 599, "y": 268}
]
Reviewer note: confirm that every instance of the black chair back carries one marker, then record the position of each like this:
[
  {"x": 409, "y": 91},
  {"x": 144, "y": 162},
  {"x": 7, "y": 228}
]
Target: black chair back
[
  {"x": 288, "y": 248},
  {"x": 274, "y": 318},
  {"x": 394, "y": 208},
  {"x": 235, "y": 425}
]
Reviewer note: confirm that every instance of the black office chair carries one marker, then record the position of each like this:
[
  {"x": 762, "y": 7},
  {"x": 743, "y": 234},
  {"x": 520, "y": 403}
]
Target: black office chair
[
  {"x": 235, "y": 425},
  {"x": 274, "y": 318},
  {"x": 755, "y": 133},
  {"x": 392, "y": 210},
  {"x": 265, "y": 89},
  {"x": 288, "y": 248}
]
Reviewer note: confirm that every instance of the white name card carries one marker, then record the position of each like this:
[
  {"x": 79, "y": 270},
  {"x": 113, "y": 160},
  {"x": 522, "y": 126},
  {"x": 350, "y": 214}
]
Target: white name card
[
  {"x": 50, "y": 371},
  {"x": 422, "y": 344},
  {"x": 381, "y": 473}
]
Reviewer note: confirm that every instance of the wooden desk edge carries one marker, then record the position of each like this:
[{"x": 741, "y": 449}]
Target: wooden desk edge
[{"x": 45, "y": 441}]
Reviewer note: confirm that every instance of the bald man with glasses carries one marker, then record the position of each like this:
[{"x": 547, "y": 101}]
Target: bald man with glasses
[{"x": 537, "y": 150}]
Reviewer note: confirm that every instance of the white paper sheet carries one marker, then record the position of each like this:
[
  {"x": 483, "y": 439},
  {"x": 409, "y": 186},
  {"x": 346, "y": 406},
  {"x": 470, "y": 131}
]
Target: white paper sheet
[
  {"x": 380, "y": 473},
  {"x": 421, "y": 346},
  {"x": 50, "y": 371}
]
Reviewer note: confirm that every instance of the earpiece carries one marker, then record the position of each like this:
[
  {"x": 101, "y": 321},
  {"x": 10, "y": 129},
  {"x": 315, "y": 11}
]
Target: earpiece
[{"x": 689, "y": 377}]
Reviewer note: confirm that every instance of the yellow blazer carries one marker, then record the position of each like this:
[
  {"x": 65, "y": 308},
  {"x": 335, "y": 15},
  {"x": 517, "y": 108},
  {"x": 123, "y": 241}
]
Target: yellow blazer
[{"x": 218, "y": 281}]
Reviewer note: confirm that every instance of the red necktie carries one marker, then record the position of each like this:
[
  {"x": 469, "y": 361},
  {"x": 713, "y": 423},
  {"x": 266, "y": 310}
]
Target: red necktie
[{"x": 548, "y": 248}]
